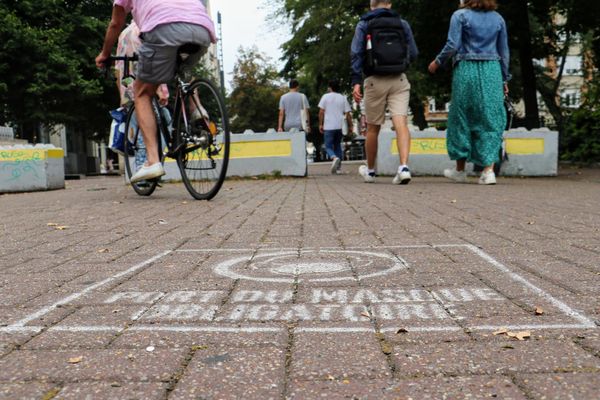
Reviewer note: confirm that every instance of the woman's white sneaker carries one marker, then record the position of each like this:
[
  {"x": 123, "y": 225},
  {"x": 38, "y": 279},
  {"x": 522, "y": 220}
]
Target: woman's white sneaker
[
  {"x": 335, "y": 165},
  {"x": 364, "y": 172},
  {"x": 487, "y": 178},
  {"x": 403, "y": 177},
  {"x": 456, "y": 176},
  {"x": 148, "y": 172}
]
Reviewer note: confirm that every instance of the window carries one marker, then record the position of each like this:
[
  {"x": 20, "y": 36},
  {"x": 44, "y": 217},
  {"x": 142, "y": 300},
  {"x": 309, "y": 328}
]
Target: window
[
  {"x": 431, "y": 105},
  {"x": 573, "y": 65},
  {"x": 571, "y": 98}
]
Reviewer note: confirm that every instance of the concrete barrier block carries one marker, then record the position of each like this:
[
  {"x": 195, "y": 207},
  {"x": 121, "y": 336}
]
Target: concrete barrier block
[
  {"x": 254, "y": 154},
  {"x": 530, "y": 153},
  {"x": 29, "y": 168}
]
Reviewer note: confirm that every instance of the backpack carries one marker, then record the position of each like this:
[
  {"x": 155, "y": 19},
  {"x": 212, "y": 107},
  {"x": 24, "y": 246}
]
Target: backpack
[{"x": 388, "y": 53}]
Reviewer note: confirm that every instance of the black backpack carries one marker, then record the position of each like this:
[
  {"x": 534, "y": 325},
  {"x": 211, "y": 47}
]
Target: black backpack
[{"x": 389, "y": 53}]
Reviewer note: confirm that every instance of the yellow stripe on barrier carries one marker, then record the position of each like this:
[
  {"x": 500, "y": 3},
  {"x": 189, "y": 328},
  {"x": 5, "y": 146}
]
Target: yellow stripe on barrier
[
  {"x": 258, "y": 149},
  {"x": 272, "y": 148},
  {"x": 19, "y": 155},
  {"x": 525, "y": 146},
  {"x": 433, "y": 146},
  {"x": 56, "y": 153}
]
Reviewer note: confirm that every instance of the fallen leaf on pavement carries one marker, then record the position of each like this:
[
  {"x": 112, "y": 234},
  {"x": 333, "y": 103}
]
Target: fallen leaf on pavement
[
  {"x": 501, "y": 331},
  {"x": 103, "y": 251},
  {"x": 386, "y": 348},
  {"x": 62, "y": 228},
  {"x": 539, "y": 311},
  {"x": 330, "y": 378},
  {"x": 75, "y": 360},
  {"x": 523, "y": 335},
  {"x": 365, "y": 314},
  {"x": 346, "y": 382}
]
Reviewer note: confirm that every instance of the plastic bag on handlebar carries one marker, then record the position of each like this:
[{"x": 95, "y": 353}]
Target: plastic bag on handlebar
[{"x": 116, "y": 141}]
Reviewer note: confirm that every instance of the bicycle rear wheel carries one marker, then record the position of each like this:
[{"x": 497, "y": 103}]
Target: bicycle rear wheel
[
  {"x": 135, "y": 154},
  {"x": 203, "y": 140}
]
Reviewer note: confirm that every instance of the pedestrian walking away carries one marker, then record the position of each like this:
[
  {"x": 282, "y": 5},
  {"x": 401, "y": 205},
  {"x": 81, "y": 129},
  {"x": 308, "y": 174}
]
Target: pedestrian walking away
[
  {"x": 382, "y": 50},
  {"x": 165, "y": 27},
  {"x": 294, "y": 110},
  {"x": 478, "y": 44},
  {"x": 334, "y": 112}
]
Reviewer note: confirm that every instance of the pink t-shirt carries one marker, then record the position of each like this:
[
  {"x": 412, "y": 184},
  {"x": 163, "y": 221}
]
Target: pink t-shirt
[{"x": 151, "y": 13}]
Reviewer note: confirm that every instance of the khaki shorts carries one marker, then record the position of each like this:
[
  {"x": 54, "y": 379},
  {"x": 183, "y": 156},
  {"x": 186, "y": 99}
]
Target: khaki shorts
[
  {"x": 381, "y": 91},
  {"x": 158, "y": 52}
]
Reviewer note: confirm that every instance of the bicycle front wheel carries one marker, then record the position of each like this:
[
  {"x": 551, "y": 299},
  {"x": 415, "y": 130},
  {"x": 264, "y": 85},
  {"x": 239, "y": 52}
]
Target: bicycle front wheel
[
  {"x": 203, "y": 140},
  {"x": 135, "y": 154}
]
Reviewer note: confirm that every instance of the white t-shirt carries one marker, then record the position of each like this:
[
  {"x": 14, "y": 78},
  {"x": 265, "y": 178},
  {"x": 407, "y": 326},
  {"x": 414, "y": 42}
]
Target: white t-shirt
[{"x": 336, "y": 106}]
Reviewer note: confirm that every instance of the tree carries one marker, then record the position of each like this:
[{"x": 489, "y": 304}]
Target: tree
[
  {"x": 254, "y": 99},
  {"x": 47, "y": 50}
]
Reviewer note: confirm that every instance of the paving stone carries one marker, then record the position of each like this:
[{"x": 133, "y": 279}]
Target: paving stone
[
  {"x": 318, "y": 356},
  {"x": 26, "y": 391},
  {"x": 112, "y": 390},
  {"x": 490, "y": 358},
  {"x": 104, "y": 315},
  {"x": 64, "y": 340},
  {"x": 275, "y": 335},
  {"x": 231, "y": 372},
  {"x": 475, "y": 387},
  {"x": 562, "y": 386},
  {"x": 106, "y": 365}
]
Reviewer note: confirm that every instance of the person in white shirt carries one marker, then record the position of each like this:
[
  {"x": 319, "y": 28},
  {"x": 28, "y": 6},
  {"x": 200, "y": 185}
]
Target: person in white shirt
[{"x": 334, "y": 111}]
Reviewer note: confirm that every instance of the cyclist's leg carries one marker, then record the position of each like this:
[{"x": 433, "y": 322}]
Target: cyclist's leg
[{"x": 144, "y": 92}]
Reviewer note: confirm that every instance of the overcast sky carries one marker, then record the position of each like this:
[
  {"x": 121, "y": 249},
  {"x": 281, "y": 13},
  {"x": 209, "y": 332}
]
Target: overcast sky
[{"x": 245, "y": 24}]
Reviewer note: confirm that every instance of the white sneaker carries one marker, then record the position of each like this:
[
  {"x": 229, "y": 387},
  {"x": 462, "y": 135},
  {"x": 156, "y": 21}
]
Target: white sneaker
[
  {"x": 456, "y": 176},
  {"x": 335, "y": 165},
  {"x": 148, "y": 172},
  {"x": 364, "y": 172},
  {"x": 402, "y": 177},
  {"x": 487, "y": 178}
]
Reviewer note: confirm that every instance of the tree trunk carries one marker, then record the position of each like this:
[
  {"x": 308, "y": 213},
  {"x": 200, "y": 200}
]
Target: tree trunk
[{"x": 523, "y": 33}]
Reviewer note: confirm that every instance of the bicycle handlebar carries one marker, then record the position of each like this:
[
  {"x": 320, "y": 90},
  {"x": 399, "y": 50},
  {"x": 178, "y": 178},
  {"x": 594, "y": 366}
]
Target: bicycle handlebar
[
  {"x": 133, "y": 58},
  {"x": 110, "y": 60}
]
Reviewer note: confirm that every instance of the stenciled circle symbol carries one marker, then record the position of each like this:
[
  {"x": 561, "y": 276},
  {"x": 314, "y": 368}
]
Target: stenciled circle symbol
[{"x": 284, "y": 266}]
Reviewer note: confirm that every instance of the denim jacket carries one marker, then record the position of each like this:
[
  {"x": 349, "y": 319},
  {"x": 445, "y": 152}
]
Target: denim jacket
[
  {"x": 359, "y": 43},
  {"x": 477, "y": 35}
]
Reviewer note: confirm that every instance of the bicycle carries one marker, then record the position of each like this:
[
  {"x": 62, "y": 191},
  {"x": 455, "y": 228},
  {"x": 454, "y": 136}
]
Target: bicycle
[{"x": 198, "y": 138}]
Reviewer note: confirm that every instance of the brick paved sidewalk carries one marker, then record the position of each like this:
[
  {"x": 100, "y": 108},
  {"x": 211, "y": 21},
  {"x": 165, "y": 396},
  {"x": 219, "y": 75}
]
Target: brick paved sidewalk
[{"x": 322, "y": 287}]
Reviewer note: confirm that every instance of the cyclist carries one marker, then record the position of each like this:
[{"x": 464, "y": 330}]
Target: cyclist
[{"x": 165, "y": 27}]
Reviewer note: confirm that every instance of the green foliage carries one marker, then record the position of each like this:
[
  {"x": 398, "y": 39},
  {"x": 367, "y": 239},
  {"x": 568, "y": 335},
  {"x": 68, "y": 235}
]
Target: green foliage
[
  {"x": 254, "y": 100},
  {"x": 581, "y": 139},
  {"x": 47, "y": 71}
]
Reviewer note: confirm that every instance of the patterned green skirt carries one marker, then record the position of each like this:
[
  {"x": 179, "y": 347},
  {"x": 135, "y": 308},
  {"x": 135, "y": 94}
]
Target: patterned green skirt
[{"x": 477, "y": 116}]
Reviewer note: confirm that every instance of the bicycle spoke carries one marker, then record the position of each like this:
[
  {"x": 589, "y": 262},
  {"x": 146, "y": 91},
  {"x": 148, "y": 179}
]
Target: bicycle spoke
[{"x": 204, "y": 156}]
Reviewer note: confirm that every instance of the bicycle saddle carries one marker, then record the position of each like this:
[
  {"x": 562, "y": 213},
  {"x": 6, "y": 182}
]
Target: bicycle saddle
[{"x": 187, "y": 49}]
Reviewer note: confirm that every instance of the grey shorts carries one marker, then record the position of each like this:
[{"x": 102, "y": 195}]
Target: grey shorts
[{"x": 158, "y": 52}]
